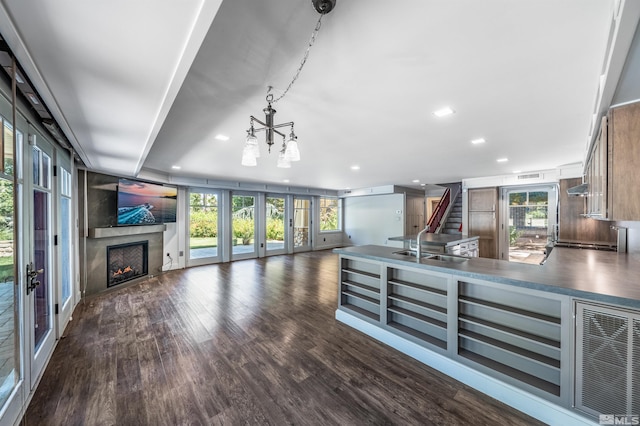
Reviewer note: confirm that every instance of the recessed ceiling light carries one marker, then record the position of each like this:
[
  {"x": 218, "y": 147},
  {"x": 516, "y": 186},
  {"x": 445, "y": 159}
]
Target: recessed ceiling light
[
  {"x": 222, "y": 137},
  {"x": 478, "y": 141},
  {"x": 423, "y": 184},
  {"x": 355, "y": 167},
  {"x": 502, "y": 160},
  {"x": 517, "y": 171},
  {"x": 416, "y": 181},
  {"x": 33, "y": 98},
  {"x": 286, "y": 180},
  {"x": 176, "y": 167},
  {"x": 443, "y": 112}
]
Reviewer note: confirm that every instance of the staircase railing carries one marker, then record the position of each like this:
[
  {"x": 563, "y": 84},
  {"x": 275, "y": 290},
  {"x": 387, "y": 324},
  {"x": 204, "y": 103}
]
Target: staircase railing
[{"x": 435, "y": 220}]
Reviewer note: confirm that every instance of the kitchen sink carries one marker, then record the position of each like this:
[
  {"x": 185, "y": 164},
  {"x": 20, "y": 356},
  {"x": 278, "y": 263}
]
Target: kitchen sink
[
  {"x": 447, "y": 258},
  {"x": 432, "y": 256},
  {"x": 412, "y": 253}
]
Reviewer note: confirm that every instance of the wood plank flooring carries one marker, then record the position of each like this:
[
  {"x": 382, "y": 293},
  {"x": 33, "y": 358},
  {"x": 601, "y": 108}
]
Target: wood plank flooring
[{"x": 247, "y": 342}]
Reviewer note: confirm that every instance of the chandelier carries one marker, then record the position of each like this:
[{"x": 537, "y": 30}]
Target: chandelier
[{"x": 289, "y": 151}]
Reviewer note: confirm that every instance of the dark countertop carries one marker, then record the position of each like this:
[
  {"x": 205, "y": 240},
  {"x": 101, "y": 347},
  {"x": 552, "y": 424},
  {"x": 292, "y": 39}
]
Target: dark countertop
[
  {"x": 436, "y": 239},
  {"x": 599, "y": 276}
]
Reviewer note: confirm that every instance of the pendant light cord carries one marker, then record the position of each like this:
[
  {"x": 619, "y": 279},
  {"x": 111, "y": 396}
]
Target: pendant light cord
[{"x": 312, "y": 40}]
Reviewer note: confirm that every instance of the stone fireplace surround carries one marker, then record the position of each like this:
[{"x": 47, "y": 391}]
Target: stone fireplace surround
[{"x": 100, "y": 238}]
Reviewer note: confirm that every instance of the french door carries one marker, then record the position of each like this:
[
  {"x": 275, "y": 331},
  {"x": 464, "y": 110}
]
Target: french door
[
  {"x": 205, "y": 240},
  {"x": 65, "y": 249},
  {"x": 301, "y": 224},
  {"x": 12, "y": 365},
  {"x": 243, "y": 226},
  {"x": 530, "y": 218},
  {"x": 38, "y": 268},
  {"x": 275, "y": 220}
]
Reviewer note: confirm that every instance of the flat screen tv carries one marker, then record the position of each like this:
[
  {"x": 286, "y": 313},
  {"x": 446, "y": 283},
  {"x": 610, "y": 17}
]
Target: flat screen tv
[{"x": 144, "y": 203}]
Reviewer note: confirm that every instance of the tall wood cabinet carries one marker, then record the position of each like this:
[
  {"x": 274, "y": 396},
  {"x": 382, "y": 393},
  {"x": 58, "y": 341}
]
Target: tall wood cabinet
[
  {"x": 483, "y": 220},
  {"x": 613, "y": 166}
]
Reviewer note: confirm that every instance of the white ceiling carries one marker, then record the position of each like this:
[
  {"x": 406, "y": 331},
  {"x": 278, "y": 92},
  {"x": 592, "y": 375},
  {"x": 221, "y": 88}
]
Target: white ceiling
[{"x": 148, "y": 84}]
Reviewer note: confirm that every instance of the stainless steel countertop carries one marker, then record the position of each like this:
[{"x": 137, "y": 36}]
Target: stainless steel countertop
[{"x": 599, "y": 276}]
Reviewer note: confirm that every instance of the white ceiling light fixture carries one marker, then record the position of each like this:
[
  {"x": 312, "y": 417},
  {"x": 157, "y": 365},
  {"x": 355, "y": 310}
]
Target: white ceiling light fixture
[
  {"x": 221, "y": 137},
  {"x": 478, "y": 141},
  {"x": 289, "y": 151},
  {"x": 443, "y": 112},
  {"x": 355, "y": 167},
  {"x": 502, "y": 160}
]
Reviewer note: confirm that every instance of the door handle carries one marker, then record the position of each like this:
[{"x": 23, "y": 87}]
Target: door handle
[{"x": 32, "y": 282}]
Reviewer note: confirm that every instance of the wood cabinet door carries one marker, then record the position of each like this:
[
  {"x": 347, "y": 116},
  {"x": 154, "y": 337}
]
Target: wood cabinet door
[
  {"x": 624, "y": 153},
  {"x": 483, "y": 199},
  {"x": 484, "y": 225},
  {"x": 483, "y": 220}
]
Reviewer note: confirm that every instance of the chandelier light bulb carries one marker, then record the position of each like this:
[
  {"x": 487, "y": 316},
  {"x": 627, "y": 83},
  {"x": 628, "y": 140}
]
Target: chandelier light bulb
[
  {"x": 292, "y": 152},
  {"x": 248, "y": 156},
  {"x": 283, "y": 163},
  {"x": 252, "y": 142}
]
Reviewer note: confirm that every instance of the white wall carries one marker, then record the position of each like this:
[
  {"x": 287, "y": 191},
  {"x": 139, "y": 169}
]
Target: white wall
[{"x": 372, "y": 219}]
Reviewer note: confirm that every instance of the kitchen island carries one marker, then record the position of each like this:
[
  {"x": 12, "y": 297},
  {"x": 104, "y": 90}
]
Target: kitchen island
[{"x": 506, "y": 329}]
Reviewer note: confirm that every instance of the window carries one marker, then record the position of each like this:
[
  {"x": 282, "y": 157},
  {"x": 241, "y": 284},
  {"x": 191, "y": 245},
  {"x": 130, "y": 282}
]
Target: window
[{"x": 330, "y": 214}]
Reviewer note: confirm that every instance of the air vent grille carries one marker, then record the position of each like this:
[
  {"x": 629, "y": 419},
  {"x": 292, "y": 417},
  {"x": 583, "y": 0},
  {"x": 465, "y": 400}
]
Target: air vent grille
[
  {"x": 530, "y": 176},
  {"x": 607, "y": 360},
  {"x": 604, "y": 365}
]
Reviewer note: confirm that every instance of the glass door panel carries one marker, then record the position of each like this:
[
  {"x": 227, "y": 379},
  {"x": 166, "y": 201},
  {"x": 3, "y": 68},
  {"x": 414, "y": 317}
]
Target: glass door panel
[
  {"x": 41, "y": 230},
  {"x": 12, "y": 370},
  {"x": 9, "y": 350},
  {"x": 243, "y": 226},
  {"x": 301, "y": 224},
  {"x": 65, "y": 248},
  {"x": 531, "y": 222},
  {"x": 204, "y": 241},
  {"x": 275, "y": 224},
  {"x": 39, "y": 255}
]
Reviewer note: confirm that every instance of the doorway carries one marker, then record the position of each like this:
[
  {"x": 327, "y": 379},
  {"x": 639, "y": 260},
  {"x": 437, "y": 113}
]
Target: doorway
[
  {"x": 243, "y": 225},
  {"x": 301, "y": 224},
  {"x": 39, "y": 255},
  {"x": 276, "y": 231},
  {"x": 204, "y": 228},
  {"x": 530, "y": 222}
]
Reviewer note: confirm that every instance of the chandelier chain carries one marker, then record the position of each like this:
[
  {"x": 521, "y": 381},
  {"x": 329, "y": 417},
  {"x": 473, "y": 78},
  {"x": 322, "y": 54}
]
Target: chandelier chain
[{"x": 312, "y": 40}]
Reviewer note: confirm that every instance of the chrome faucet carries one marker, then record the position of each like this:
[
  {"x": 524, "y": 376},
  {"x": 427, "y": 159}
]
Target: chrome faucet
[{"x": 418, "y": 247}]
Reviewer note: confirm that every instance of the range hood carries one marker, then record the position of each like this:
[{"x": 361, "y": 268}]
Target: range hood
[{"x": 581, "y": 190}]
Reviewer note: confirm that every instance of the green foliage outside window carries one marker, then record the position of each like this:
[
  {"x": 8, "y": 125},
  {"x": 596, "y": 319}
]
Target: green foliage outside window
[
  {"x": 203, "y": 224},
  {"x": 243, "y": 230},
  {"x": 6, "y": 210},
  {"x": 275, "y": 230},
  {"x": 329, "y": 214}
]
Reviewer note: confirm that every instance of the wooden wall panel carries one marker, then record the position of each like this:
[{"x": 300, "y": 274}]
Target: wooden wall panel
[{"x": 572, "y": 226}]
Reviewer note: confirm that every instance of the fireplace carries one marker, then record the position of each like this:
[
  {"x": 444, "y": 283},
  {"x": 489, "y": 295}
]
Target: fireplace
[{"x": 126, "y": 262}]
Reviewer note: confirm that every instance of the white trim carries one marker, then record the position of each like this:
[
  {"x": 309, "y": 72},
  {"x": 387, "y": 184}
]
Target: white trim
[{"x": 530, "y": 404}]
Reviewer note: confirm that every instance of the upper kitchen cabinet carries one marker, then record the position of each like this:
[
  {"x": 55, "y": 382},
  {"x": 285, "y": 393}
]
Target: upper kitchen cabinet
[{"x": 613, "y": 166}]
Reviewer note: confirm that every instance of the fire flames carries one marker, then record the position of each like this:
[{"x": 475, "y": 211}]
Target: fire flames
[{"x": 122, "y": 271}]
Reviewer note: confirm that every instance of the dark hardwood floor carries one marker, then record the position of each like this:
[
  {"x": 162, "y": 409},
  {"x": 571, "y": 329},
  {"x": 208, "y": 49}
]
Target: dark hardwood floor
[{"x": 248, "y": 342}]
